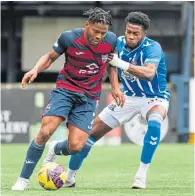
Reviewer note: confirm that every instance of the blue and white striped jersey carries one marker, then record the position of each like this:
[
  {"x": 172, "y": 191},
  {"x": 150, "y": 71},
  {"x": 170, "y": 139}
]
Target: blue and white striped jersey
[{"x": 148, "y": 51}]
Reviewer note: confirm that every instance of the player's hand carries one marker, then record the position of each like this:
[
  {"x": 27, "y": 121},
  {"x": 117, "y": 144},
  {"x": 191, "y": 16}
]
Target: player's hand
[
  {"x": 119, "y": 97},
  {"x": 110, "y": 57},
  {"x": 115, "y": 61},
  {"x": 29, "y": 77}
]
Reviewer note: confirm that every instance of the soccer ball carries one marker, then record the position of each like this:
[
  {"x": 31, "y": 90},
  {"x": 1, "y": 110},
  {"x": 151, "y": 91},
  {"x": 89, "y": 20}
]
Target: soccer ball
[{"x": 51, "y": 176}]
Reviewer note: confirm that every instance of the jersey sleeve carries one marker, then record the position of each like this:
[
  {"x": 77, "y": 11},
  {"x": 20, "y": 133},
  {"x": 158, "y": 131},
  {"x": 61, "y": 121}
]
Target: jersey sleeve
[
  {"x": 120, "y": 44},
  {"x": 153, "y": 54},
  {"x": 62, "y": 43},
  {"x": 112, "y": 39}
]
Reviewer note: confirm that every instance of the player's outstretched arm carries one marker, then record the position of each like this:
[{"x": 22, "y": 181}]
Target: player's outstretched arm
[
  {"x": 43, "y": 63},
  {"x": 116, "y": 91},
  {"x": 146, "y": 72}
]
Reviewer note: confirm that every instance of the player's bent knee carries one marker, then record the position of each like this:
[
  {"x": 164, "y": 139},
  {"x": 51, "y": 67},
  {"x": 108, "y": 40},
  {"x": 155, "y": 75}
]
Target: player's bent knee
[
  {"x": 75, "y": 146},
  {"x": 44, "y": 135}
]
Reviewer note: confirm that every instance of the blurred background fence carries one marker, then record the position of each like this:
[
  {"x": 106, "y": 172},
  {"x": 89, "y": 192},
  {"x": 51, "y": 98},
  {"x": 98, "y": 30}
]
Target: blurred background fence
[{"x": 29, "y": 29}]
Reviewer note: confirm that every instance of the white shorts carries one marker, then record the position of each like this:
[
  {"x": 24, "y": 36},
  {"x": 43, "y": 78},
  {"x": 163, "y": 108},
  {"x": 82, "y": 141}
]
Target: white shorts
[{"x": 114, "y": 115}]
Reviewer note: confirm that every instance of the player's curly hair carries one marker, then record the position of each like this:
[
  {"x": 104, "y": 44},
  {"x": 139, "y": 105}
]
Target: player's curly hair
[
  {"x": 138, "y": 18},
  {"x": 99, "y": 15}
]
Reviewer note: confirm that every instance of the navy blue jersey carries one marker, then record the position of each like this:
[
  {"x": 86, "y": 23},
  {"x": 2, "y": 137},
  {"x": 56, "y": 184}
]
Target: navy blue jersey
[
  {"x": 84, "y": 65},
  {"x": 147, "y": 52}
]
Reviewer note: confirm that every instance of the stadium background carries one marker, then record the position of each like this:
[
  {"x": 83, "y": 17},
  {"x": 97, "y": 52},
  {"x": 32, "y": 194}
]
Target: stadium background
[{"x": 29, "y": 30}]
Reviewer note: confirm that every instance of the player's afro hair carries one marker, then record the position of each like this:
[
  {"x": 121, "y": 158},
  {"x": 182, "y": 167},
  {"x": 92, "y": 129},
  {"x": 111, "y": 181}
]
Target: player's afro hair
[
  {"x": 138, "y": 18},
  {"x": 99, "y": 15}
]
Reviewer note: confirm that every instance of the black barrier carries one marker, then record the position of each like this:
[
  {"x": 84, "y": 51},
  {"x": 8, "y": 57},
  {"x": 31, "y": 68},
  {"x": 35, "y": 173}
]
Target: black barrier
[
  {"x": 21, "y": 115},
  {"x": 16, "y": 111}
]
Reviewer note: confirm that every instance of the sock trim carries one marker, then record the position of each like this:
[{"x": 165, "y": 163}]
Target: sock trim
[
  {"x": 92, "y": 140},
  {"x": 37, "y": 146},
  {"x": 155, "y": 117}
]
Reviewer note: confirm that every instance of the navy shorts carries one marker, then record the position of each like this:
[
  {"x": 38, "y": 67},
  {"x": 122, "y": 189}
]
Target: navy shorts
[{"x": 76, "y": 107}]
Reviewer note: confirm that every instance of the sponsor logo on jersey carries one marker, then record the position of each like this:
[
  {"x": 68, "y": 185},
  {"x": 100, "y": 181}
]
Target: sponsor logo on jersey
[
  {"x": 128, "y": 76},
  {"x": 133, "y": 61},
  {"x": 90, "y": 69}
]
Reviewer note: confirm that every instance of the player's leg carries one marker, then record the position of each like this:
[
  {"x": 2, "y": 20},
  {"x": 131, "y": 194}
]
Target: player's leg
[
  {"x": 99, "y": 129},
  {"x": 155, "y": 117},
  {"x": 79, "y": 124},
  {"x": 75, "y": 142},
  {"x": 55, "y": 112},
  {"x": 35, "y": 150},
  {"x": 111, "y": 117}
]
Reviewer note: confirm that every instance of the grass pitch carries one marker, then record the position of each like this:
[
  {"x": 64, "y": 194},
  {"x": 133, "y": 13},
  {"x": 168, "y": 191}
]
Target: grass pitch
[{"x": 109, "y": 171}]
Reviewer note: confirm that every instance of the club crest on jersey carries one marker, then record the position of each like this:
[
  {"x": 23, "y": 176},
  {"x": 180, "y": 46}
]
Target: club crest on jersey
[
  {"x": 112, "y": 106},
  {"x": 104, "y": 57}
]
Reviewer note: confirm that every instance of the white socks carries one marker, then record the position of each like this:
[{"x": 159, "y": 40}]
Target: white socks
[
  {"x": 142, "y": 171},
  {"x": 70, "y": 175}
]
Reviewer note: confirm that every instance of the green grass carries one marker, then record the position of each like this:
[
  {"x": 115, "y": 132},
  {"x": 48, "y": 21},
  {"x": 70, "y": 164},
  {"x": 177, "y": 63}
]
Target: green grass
[{"x": 109, "y": 171}]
